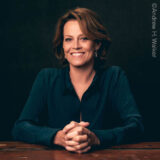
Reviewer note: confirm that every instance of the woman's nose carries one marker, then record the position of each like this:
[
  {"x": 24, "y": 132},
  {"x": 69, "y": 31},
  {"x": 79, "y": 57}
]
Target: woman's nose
[{"x": 76, "y": 44}]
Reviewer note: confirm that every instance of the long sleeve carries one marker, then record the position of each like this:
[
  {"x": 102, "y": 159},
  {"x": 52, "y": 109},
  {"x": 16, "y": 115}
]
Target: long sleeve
[
  {"x": 28, "y": 127},
  {"x": 51, "y": 99},
  {"x": 124, "y": 104}
]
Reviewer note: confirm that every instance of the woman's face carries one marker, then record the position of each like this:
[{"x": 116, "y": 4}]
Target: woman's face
[{"x": 78, "y": 49}]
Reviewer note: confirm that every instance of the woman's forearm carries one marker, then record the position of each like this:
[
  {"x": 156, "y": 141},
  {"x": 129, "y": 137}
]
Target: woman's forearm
[{"x": 31, "y": 133}]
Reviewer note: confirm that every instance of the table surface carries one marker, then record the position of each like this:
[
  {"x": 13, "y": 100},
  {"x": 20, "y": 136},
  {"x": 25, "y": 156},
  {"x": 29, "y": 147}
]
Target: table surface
[{"x": 24, "y": 151}]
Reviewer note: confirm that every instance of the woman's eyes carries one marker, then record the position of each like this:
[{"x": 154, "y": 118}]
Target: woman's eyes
[
  {"x": 70, "y": 39},
  {"x": 84, "y": 38}
]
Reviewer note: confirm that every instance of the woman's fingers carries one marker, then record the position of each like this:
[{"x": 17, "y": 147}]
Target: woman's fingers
[
  {"x": 71, "y": 143},
  {"x": 70, "y": 126},
  {"x": 73, "y": 124},
  {"x": 68, "y": 148},
  {"x": 84, "y": 150},
  {"x": 77, "y": 131},
  {"x": 81, "y": 138},
  {"x": 74, "y": 132},
  {"x": 80, "y": 148},
  {"x": 72, "y": 149},
  {"x": 71, "y": 135},
  {"x": 84, "y": 124},
  {"x": 78, "y": 140}
]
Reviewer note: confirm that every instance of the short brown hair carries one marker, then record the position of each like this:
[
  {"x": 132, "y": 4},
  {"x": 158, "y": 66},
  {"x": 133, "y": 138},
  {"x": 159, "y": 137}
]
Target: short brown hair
[{"x": 90, "y": 25}]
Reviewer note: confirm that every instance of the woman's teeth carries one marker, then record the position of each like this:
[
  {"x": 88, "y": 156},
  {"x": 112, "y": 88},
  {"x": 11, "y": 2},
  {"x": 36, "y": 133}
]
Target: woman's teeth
[{"x": 77, "y": 54}]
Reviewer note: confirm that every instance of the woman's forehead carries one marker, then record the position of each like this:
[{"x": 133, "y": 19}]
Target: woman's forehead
[{"x": 72, "y": 27}]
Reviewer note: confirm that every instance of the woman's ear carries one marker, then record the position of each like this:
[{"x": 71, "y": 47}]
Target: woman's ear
[{"x": 98, "y": 45}]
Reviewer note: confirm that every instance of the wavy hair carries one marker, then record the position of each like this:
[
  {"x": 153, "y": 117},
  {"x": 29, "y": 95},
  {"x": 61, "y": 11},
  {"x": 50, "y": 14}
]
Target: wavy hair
[{"x": 90, "y": 25}]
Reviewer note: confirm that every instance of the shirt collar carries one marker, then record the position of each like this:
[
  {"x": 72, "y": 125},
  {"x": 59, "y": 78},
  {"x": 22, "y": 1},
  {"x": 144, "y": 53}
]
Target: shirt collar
[{"x": 68, "y": 87}]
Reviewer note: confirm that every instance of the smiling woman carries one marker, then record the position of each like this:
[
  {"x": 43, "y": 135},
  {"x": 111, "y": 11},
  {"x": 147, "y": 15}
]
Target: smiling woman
[
  {"x": 82, "y": 104},
  {"x": 78, "y": 49},
  {"x": 79, "y": 52},
  {"x": 89, "y": 25}
]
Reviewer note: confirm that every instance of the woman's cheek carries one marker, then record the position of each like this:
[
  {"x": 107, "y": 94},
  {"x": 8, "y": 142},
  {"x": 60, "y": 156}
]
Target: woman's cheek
[{"x": 67, "y": 48}]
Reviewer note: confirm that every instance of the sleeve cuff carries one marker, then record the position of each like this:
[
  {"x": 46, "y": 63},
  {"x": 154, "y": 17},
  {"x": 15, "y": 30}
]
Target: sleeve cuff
[
  {"x": 106, "y": 138},
  {"x": 47, "y": 136}
]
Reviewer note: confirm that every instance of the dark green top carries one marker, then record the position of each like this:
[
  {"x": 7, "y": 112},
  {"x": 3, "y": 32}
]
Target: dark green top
[{"x": 107, "y": 104}]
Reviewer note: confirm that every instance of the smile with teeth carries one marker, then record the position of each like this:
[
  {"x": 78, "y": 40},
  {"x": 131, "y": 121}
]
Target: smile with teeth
[{"x": 77, "y": 53}]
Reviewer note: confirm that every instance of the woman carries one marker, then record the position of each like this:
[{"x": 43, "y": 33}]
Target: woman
[{"x": 82, "y": 105}]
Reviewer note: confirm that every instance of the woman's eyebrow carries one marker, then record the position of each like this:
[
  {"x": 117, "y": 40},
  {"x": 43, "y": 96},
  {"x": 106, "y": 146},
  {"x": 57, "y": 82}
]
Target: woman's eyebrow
[{"x": 73, "y": 36}]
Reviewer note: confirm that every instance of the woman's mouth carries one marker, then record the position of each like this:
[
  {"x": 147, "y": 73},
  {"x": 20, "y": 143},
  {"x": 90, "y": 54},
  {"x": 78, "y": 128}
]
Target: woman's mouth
[{"x": 76, "y": 54}]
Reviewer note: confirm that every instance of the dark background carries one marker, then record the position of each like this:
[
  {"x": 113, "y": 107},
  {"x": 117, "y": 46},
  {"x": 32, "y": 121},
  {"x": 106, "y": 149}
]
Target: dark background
[{"x": 26, "y": 32}]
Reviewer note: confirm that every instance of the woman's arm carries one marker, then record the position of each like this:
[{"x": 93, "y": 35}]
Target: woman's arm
[
  {"x": 130, "y": 132},
  {"x": 28, "y": 127},
  {"x": 123, "y": 103}
]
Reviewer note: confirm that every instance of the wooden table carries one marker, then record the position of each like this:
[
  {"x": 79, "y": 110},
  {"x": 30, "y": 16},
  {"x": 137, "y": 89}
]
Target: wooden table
[{"x": 23, "y": 151}]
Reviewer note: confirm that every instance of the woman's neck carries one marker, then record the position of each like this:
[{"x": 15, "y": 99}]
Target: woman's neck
[{"x": 82, "y": 75}]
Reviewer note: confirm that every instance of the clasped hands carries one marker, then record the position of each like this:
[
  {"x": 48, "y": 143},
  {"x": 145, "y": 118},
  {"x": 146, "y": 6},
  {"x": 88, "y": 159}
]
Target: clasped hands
[{"x": 76, "y": 137}]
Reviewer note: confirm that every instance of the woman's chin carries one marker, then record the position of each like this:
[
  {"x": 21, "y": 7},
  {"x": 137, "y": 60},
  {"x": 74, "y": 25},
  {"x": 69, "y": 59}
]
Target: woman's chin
[
  {"x": 77, "y": 65},
  {"x": 81, "y": 65}
]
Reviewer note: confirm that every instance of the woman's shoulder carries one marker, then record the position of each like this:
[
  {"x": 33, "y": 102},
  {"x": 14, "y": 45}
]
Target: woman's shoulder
[
  {"x": 48, "y": 75},
  {"x": 113, "y": 73},
  {"x": 113, "y": 70}
]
